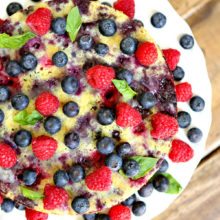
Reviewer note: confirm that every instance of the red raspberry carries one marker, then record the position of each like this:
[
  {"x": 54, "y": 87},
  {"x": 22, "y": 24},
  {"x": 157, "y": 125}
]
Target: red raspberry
[
  {"x": 100, "y": 77},
  {"x": 172, "y": 58},
  {"x": 110, "y": 96},
  {"x": 164, "y": 126},
  {"x": 180, "y": 151},
  {"x": 35, "y": 215},
  {"x": 183, "y": 92},
  {"x": 126, "y": 6},
  {"x": 126, "y": 116},
  {"x": 44, "y": 147},
  {"x": 55, "y": 197},
  {"x": 146, "y": 53},
  {"x": 100, "y": 179},
  {"x": 47, "y": 104},
  {"x": 1, "y": 199},
  {"x": 120, "y": 212},
  {"x": 40, "y": 21},
  {"x": 8, "y": 157}
]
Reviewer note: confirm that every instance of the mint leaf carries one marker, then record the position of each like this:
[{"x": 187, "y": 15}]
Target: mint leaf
[
  {"x": 123, "y": 87},
  {"x": 30, "y": 194},
  {"x": 23, "y": 118},
  {"x": 174, "y": 186},
  {"x": 74, "y": 22},
  {"x": 15, "y": 42}
]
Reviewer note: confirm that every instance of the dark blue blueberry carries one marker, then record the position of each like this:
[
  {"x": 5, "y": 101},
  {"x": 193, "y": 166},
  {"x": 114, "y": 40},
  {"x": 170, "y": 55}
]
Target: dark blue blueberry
[
  {"x": 101, "y": 49},
  {"x": 184, "y": 119},
  {"x": 29, "y": 61},
  {"x": 123, "y": 149},
  {"x": 7, "y": 205},
  {"x": 76, "y": 173},
  {"x": 13, "y": 7},
  {"x": 107, "y": 27},
  {"x": 4, "y": 93},
  {"x": 160, "y": 183},
  {"x": 20, "y": 207},
  {"x": 114, "y": 162},
  {"x": 23, "y": 138},
  {"x": 2, "y": 116},
  {"x": 126, "y": 75},
  {"x": 178, "y": 74},
  {"x": 187, "y": 41},
  {"x": 105, "y": 145},
  {"x": 85, "y": 42},
  {"x": 164, "y": 166},
  {"x": 70, "y": 85},
  {"x": 105, "y": 116},
  {"x": 195, "y": 135},
  {"x": 71, "y": 109},
  {"x": 80, "y": 205},
  {"x": 139, "y": 208},
  {"x": 158, "y": 20},
  {"x": 29, "y": 177},
  {"x": 197, "y": 103},
  {"x": 102, "y": 217},
  {"x": 52, "y": 125},
  {"x": 138, "y": 23},
  {"x": 13, "y": 68},
  {"x": 61, "y": 178},
  {"x": 129, "y": 45},
  {"x": 107, "y": 3},
  {"x": 60, "y": 59},
  {"x": 59, "y": 25},
  {"x": 19, "y": 101},
  {"x": 129, "y": 201},
  {"x": 130, "y": 167},
  {"x": 146, "y": 190},
  {"x": 89, "y": 217},
  {"x": 72, "y": 140},
  {"x": 147, "y": 100}
]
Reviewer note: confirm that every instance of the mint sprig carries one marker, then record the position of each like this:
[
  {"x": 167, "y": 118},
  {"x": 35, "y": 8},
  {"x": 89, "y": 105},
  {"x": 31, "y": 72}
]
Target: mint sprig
[{"x": 30, "y": 194}]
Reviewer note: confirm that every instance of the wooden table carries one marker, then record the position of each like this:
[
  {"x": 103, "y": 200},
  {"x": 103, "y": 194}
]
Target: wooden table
[{"x": 201, "y": 199}]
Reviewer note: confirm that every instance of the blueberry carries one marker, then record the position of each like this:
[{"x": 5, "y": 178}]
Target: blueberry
[
  {"x": 80, "y": 205},
  {"x": 76, "y": 173},
  {"x": 60, "y": 59},
  {"x": 139, "y": 208},
  {"x": 126, "y": 75},
  {"x": 23, "y": 138},
  {"x": 147, "y": 100},
  {"x": 101, "y": 49},
  {"x": 164, "y": 166},
  {"x": 123, "y": 149},
  {"x": 187, "y": 41},
  {"x": 29, "y": 177},
  {"x": 160, "y": 183},
  {"x": 114, "y": 162},
  {"x": 13, "y": 7},
  {"x": 85, "y": 42},
  {"x": 195, "y": 135},
  {"x": 7, "y": 205},
  {"x": 107, "y": 3},
  {"x": 89, "y": 217},
  {"x": 29, "y": 61},
  {"x": 19, "y": 101},
  {"x": 70, "y": 85},
  {"x": 107, "y": 27},
  {"x": 72, "y": 140},
  {"x": 105, "y": 145},
  {"x": 102, "y": 217},
  {"x": 146, "y": 190},
  {"x": 4, "y": 94},
  {"x": 59, "y": 25},
  {"x": 71, "y": 109},
  {"x": 35, "y": 0},
  {"x": 20, "y": 207},
  {"x": 105, "y": 116},
  {"x": 184, "y": 119},
  {"x": 197, "y": 103},
  {"x": 158, "y": 20},
  {"x": 178, "y": 74},
  {"x": 129, "y": 201},
  {"x": 2, "y": 116},
  {"x": 61, "y": 178},
  {"x": 52, "y": 125},
  {"x": 129, "y": 45},
  {"x": 130, "y": 167},
  {"x": 13, "y": 68}
]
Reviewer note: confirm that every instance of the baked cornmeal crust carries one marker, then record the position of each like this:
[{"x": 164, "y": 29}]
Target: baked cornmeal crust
[{"x": 155, "y": 78}]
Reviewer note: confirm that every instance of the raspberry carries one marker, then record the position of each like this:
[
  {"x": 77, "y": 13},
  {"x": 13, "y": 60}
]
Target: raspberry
[
  {"x": 164, "y": 126},
  {"x": 55, "y": 197},
  {"x": 172, "y": 58},
  {"x": 120, "y": 212},
  {"x": 100, "y": 77},
  {"x": 35, "y": 215},
  {"x": 8, "y": 157},
  {"x": 100, "y": 179},
  {"x": 146, "y": 53},
  {"x": 126, "y": 116},
  {"x": 39, "y": 21},
  {"x": 180, "y": 151},
  {"x": 126, "y": 6},
  {"x": 110, "y": 96},
  {"x": 44, "y": 147},
  {"x": 47, "y": 104},
  {"x": 183, "y": 92},
  {"x": 1, "y": 199}
]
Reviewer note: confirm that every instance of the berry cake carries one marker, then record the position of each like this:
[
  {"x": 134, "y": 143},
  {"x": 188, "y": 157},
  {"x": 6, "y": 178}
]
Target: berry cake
[{"x": 88, "y": 107}]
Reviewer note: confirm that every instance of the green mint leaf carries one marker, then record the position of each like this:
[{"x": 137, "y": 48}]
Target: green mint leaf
[
  {"x": 174, "y": 186},
  {"x": 74, "y": 22},
  {"x": 123, "y": 87},
  {"x": 30, "y": 194},
  {"x": 15, "y": 42}
]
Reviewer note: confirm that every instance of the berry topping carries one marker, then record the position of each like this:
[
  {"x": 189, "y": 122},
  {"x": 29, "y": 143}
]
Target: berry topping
[
  {"x": 80, "y": 205},
  {"x": 101, "y": 49},
  {"x": 126, "y": 116},
  {"x": 76, "y": 173},
  {"x": 8, "y": 157},
  {"x": 164, "y": 166},
  {"x": 129, "y": 201},
  {"x": 44, "y": 147},
  {"x": 183, "y": 92},
  {"x": 164, "y": 126},
  {"x": 13, "y": 7},
  {"x": 29, "y": 177},
  {"x": 146, "y": 190},
  {"x": 19, "y": 207},
  {"x": 114, "y": 162},
  {"x": 178, "y": 74},
  {"x": 130, "y": 167},
  {"x": 180, "y": 151},
  {"x": 139, "y": 208},
  {"x": 126, "y": 6},
  {"x": 187, "y": 41},
  {"x": 47, "y": 104},
  {"x": 120, "y": 212},
  {"x": 29, "y": 61},
  {"x": 100, "y": 179},
  {"x": 40, "y": 21},
  {"x": 105, "y": 145},
  {"x": 126, "y": 75},
  {"x": 60, "y": 59},
  {"x": 172, "y": 58},
  {"x": 4, "y": 94},
  {"x": 19, "y": 101},
  {"x": 23, "y": 138},
  {"x": 72, "y": 140},
  {"x": 107, "y": 27},
  {"x": 129, "y": 45},
  {"x": 123, "y": 149},
  {"x": 52, "y": 125},
  {"x": 184, "y": 119},
  {"x": 13, "y": 68},
  {"x": 85, "y": 42},
  {"x": 70, "y": 85},
  {"x": 158, "y": 20},
  {"x": 35, "y": 215},
  {"x": 58, "y": 26},
  {"x": 71, "y": 109},
  {"x": 89, "y": 217},
  {"x": 195, "y": 135},
  {"x": 100, "y": 77},
  {"x": 2, "y": 116},
  {"x": 197, "y": 103},
  {"x": 147, "y": 100},
  {"x": 1, "y": 199},
  {"x": 161, "y": 183},
  {"x": 7, "y": 205},
  {"x": 105, "y": 116},
  {"x": 102, "y": 217},
  {"x": 61, "y": 178},
  {"x": 146, "y": 53}
]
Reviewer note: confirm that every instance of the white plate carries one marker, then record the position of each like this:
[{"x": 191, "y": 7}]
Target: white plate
[{"x": 193, "y": 63}]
